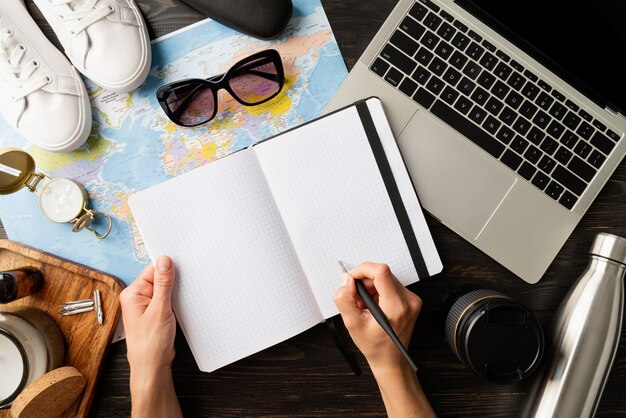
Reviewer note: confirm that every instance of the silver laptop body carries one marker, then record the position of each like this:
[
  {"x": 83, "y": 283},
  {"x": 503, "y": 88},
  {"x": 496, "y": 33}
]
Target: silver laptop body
[{"x": 473, "y": 185}]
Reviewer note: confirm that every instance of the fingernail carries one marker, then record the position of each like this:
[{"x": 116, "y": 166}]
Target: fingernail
[
  {"x": 348, "y": 278},
  {"x": 164, "y": 263}
]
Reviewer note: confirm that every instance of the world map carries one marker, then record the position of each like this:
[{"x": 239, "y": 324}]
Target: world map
[{"x": 133, "y": 145}]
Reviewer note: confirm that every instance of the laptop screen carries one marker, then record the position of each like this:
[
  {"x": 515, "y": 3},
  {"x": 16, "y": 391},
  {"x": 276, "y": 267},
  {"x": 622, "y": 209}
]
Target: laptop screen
[{"x": 586, "y": 39}]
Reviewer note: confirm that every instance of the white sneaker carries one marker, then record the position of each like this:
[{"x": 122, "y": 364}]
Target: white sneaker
[
  {"x": 41, "y": 94},
  {"x": 106, "y": 40}
]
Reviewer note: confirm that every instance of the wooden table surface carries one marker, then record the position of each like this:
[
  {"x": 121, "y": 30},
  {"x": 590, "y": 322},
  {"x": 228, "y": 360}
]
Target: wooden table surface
[{"x": 306, "y": 376}]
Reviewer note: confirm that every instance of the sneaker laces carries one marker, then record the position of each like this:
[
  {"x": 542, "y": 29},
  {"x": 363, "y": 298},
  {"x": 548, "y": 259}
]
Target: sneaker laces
[
  {"x": 18, "y": 74},
  {"x": 84, "y": 12}
]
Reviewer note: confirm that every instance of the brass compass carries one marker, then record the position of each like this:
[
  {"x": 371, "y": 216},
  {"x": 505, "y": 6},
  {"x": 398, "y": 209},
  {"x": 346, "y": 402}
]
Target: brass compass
[{"x": 60, "y": 199}]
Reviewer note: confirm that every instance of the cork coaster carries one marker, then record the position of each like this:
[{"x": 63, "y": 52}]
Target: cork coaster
[{"x": 50, "y": 395}]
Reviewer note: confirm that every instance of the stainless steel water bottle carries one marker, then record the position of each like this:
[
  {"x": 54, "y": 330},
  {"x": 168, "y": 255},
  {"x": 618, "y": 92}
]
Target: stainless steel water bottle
[{"x": 583, "y": 338}]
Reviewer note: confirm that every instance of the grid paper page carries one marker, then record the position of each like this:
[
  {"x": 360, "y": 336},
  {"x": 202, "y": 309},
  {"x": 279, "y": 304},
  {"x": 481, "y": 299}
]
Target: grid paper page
[
  {"x": 334, "y": 203},
  {"x": 240, "y": 287}
]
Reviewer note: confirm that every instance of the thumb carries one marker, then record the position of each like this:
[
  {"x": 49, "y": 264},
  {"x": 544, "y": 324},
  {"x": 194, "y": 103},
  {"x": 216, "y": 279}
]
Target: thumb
[
  {"x": 164, "y": 277},
  {"x": 345, "y": 299}
]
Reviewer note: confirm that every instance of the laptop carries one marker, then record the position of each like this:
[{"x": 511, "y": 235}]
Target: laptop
[{"x": 509, "y": 115}]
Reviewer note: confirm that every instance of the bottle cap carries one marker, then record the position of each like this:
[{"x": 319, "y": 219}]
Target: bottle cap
[
  {"x": 8, "y": 289},
  {"x": 609, "y": 246}
]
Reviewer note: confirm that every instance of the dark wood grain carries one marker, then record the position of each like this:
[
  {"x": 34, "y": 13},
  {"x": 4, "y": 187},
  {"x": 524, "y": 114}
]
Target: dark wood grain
[{"x": 306, "y": 376}]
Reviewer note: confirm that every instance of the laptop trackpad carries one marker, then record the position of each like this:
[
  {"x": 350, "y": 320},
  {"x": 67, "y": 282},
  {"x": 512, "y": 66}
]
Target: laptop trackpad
[{"x": 455, "y": 181}]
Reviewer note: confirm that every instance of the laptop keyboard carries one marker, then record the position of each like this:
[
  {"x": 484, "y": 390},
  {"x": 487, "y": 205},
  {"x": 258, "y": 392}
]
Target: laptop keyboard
[{"x": 495, "y": 102}]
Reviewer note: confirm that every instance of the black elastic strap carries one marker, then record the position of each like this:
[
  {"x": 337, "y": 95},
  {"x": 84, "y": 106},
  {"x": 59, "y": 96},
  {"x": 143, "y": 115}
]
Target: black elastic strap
[{"x": 392, "y": 189}]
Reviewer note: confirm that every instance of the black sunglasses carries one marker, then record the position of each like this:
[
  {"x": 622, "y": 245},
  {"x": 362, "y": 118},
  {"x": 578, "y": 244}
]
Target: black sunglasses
[{"x": 252, "y": 81}]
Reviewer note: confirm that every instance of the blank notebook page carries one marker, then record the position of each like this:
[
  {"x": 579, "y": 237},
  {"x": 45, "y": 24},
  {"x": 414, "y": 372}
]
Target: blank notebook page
[
  {"x": 240, "y": 288},
  {"x": 332, "y": 198}
]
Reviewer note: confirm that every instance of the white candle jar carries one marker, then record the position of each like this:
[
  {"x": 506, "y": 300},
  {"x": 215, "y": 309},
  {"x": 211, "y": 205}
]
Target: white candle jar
[{"x": 30, "y": 346}]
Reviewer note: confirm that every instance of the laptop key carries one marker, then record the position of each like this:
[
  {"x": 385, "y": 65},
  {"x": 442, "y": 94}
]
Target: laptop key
[
  {"x": 472, "y": 70},
  {"x": 494, "y": 106},
  {"x": 404, "y": 43},
  {"x": 408, "y": 86},
  {"x": 460, "y": 26},
  {"x": 449, "y": 95},
  {"x": 418, "y": 11},
  {"x": 558, "y": 95},
  {"x": 533, "y": 154},
  {"x": 452, "y": 76},
  {"x": 575, "y": 108},
  {"x": 569, "y": 139},
  {"x": 557, "y": 110},
  {"x": 435, "y": 85},
  {"x": 467, "y": 128},
  {"x": 531, "y": 76},
  {"x": 429, "y": 40},
  {"x": 466, "y": 86},
  {"x": 542, "y": 119},
  {"x": 444, "y": 50},
  {"x": 379, "y": 67},
  {"x": 583, "y": 149},
  {"x": 555, "y": 130},
  {"x": 585, "y": 130},
  {"x": 431, "y": 5},
  {"x": 514, "y": 99},
  {"x": 528, "y": 109},
  {"x": 527, "y": 170},
  {"x": 500, "y": 89},
  {"x": 502, "y": 71},
  {"x": 492, "y": 125},
  {"x": 517, "y": 66},
  {"x": 421, "y": 75},
  {"x": 486, "y": 79},
  {"x": 507, "y": 115},
  {"x": 460, "y": 41},
  {"x": 568, "y": 200},
  {"x": 505, "y": 135},
  {"x": 546, "y": 164},
  {"x": 516, "y": 80},
  {"x": 480, "y": 96},
  {"x": 511, "y": 159},
  {"x": 463, "y": 105},
  {"x": 432, "y": 21},
  {"x": 535, "y": 135},
  {"x": 394, "y": 77},
  {"x": 540, "y": 180},
  {"x": 519, "y": 144},
  {"x": 530, "y": 91},
  {"x": 491, "y": 47},
  {"x": 423, "y": 97},
  {"x": 474, "y": 50},
  {"x": 571, "y": 120},
  {"x": 398, "y": 59},
  {"x": 569, "y": 180},
  {"x": 582, "y": 169},
  {"x": 554, "y": 190},
  {"x": 544, "y": 101},
  {"x": 563, "y": 155},
  {"x": 414, "y": 29},
  {"x": 475, "y": 36},
  {"x": 488, "y": 61},
  {"x": 599, "y": 125},
  {"x": 544, "y": 85},
  {"x": 602, "y": 142},
  {"x": 457, "y": 60},
  {"x": 521, "y": 126},
  {"x": 596, "y": 158},
  {"x": 446, "y": 31},
  {"x": 477, "y": 114},
  {"x": 424, "y": 56},
  {"x": 613, "y": 135},
  {"x": 549, "y": 145},
  {"x": 438, "y": 66},
  {"x": 447, "y": 16}
]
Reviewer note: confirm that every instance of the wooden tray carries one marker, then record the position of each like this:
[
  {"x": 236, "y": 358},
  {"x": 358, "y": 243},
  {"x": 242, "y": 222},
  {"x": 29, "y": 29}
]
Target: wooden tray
[{"x": 86, "y": 342}]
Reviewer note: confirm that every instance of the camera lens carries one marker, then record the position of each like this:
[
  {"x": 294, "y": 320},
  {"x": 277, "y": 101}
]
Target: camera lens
[{"x": 497, "y": 338}]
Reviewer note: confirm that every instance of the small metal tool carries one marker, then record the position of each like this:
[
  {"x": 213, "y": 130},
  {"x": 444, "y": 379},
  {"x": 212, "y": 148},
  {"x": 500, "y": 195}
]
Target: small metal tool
[
  {"x": 99, "y": 313},
  {"x": 76, "y": 311},
  {"x": 77, "y": 305}
]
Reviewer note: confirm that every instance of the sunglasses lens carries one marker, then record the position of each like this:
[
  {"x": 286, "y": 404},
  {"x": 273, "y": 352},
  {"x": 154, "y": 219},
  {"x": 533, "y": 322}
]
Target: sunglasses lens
[
  {"x": 255, "y": 81},
  {"x": 195, "y": 104}
]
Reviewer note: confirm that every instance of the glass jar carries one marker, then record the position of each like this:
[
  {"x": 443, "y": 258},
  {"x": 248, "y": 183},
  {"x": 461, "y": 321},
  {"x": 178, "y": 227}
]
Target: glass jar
[{"x": 30, "y": 346}]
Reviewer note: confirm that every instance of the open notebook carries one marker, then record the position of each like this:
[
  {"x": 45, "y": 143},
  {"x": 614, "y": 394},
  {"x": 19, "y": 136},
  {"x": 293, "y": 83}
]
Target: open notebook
[{"x": 256, "y": 236}]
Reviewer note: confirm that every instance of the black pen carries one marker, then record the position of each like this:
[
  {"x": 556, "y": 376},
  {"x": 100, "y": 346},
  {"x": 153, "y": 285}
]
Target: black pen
[{"x": 379, "y": 316}]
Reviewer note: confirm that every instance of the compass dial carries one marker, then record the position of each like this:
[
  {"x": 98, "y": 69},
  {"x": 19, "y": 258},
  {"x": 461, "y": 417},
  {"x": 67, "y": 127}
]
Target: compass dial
[{"x": 62, "y": 200}]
